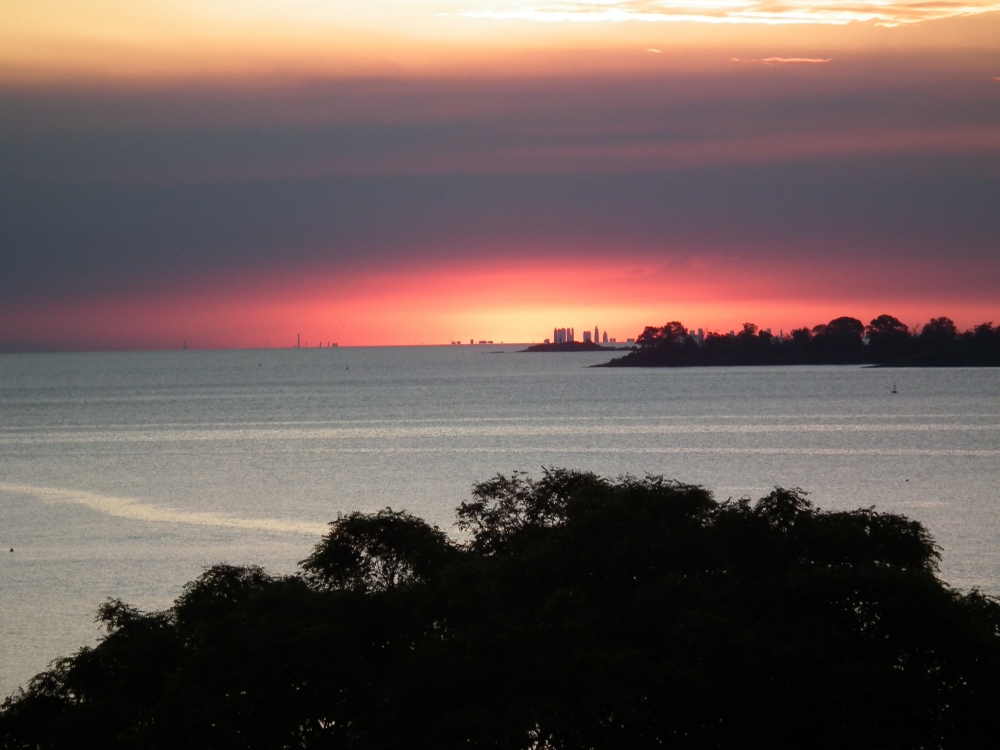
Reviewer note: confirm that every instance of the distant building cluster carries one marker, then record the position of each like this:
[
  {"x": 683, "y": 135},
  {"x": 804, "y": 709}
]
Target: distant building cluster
[
  {"x": 563, "y": 336},
  {"x": 568, "y": 336}
]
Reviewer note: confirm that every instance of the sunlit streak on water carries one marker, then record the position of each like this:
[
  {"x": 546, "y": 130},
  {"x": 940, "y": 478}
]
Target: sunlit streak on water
[{"x": 124, "y": 507}]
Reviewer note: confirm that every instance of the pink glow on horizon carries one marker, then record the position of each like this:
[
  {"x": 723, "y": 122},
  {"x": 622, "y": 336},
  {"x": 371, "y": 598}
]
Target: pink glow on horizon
[{"x": 514, "y": 302}]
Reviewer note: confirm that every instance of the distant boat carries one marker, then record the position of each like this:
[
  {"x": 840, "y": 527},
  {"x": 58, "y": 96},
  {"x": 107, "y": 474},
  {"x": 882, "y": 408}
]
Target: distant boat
[{"x": 894, "y": 388}]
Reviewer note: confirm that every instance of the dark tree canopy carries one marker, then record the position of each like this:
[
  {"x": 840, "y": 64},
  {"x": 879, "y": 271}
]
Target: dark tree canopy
[
  {"x": 668, "y": 334},
  {"x": 670, "y": 341},
  {"x": 575, "y": 613},
  {"x": 375, "y": 552},
  {"x": 889, "y": 338},
  {"x": 843, "y": 341},
  {"x": 940, "y": 333}
]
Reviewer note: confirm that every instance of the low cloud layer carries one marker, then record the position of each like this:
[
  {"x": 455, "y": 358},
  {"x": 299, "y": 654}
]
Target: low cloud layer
[{"x": 830, "y": 12}]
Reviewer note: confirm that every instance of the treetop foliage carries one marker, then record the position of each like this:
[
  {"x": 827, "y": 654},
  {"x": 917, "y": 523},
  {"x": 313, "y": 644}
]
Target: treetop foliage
[
  {"x": 570, "y": 612},
  {"x": 375, "y": 552},
  {"x": 884, "y": 341}
]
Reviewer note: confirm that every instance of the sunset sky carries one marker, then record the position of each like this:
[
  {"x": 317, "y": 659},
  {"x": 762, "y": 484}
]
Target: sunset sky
[{"x": 421, "y": 171}]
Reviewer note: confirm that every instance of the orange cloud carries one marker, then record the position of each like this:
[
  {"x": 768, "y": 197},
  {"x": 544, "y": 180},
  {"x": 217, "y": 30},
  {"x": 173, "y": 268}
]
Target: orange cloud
[
  {"x": 749, "y": 12},
  {"x": 141, "y": 40}
]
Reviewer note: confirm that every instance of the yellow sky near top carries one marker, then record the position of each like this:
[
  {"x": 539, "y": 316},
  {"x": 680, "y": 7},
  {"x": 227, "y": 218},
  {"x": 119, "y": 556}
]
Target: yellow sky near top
[{"x": 67, "y": 39}]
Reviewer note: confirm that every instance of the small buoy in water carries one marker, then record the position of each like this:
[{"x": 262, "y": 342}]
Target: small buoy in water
[{"x": 11, "y": 549}]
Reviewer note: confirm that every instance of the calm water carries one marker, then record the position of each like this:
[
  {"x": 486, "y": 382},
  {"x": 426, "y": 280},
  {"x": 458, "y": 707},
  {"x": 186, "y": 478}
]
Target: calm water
[{"x": 125, "y": 474}]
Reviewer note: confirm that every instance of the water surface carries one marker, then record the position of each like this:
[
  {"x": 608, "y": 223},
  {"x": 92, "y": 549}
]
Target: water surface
[{"x": 124, "y": 474}]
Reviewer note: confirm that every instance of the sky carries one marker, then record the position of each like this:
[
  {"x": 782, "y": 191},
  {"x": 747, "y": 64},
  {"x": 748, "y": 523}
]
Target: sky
[{"x": 423, "y": 171}]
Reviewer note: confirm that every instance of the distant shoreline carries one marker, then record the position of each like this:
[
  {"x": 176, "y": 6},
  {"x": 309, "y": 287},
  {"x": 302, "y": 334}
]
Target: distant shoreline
[
  {"x": 698, "y": 358},
  {"x": 885, "y": 342},
  {"x": 574, "y": 346},
  {"x": 7, "y": 347}
]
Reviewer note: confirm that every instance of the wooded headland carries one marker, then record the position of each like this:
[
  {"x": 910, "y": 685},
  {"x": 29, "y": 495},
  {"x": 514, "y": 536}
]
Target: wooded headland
[{"x": 885, "y": 341}]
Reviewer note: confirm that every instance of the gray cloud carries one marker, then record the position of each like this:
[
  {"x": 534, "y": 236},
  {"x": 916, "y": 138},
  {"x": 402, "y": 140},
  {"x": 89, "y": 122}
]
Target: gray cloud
[
  {"x": 103, "y": 190},
  {"x": 319, "y": 128},
  {"x": 73, "y": 239}
]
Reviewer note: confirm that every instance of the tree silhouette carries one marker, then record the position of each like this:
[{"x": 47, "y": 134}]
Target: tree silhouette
[
  {"x": 375, "y": 551},
  {"x": 939, "y": 333},
  {"x": 886, "y": 341},
  {"x": 575, "y": 612},
  {"x": 889, "y": 338}
]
